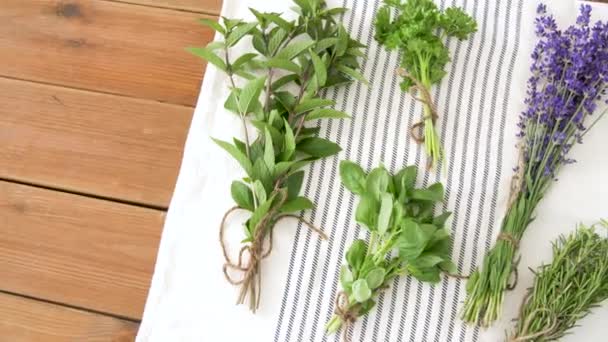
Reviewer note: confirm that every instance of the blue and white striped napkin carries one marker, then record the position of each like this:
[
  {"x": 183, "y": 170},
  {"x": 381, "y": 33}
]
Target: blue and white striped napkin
[{"x": 479, "y": 102}]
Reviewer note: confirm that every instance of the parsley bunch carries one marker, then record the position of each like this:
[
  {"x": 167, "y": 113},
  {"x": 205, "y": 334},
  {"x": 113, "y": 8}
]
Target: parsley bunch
[
  {"x": 405, "y": 238},
  {"x": 417, "y": 30},
  {"x": 276, "y": 90}
]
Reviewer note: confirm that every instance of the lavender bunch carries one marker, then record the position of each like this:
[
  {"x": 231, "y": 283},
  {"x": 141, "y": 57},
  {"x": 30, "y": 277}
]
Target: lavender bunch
[{"x": 569, "y": 79}]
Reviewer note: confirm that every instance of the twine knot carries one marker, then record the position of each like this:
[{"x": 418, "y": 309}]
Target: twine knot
[
  {"x": 417, "y": 129},
  {"x": 347, "y": 315}
]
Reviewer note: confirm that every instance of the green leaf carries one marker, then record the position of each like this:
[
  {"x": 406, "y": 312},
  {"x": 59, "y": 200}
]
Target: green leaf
[
  {"x": 303, "y": 162},
  {"x": 232, "y": 103},
  {"x": 231, "y": 23},
  {"x": 213, "y": 25},
  {"x": 433, "y": 193},
  {"x": 282, "y": 168},
  {"x": 426, "y": 260},
  {"x": 352, "y": 73},
  {"x": 325, "y": 44},
  {"x": 318, "y": 147},
  {"x": 242, "y": 60},
  {"x": 346, "y": 277},
  {"x": 263, "y": 126},
  {"x": 276, "y": 85},
  {"x": 356, "y": 255},
  {"x": 259, "y": 213},
  {"x": 342, "y": 44},
  {"x": 238, "y": 33},
  {"x": 262, "y": 173},
  {"x": 377, "y": 182},
  {"x": 439, "y": 221},
  {"x": 386, "y": 208},
  {"x": 320, "y": 69},
  {"x": 361, "y": 291},
  {"x": 352, "y": 176},
  {"x": 367, "y": 212},
  {"x": 280, "y": 22},
  {"x": 297, "y": 204},
  {"x": 290, "y": 142},
  {"x": 268, "y": 151},
  {"x": 326, "y": 113},
  {"x": 336, "y": 11},
  {"x": 240, "y": 145},
  {"x": 311, "y": 104},
  {"x": 284, "y": 64},
  {"x": 259, "y": 191},
  {"x": 242, "y": 195},
  {"x": 294, "y": 49},
  {"x": 294, "y": 184},
  {"x": 430, "y": 275},
  {"x": 448, "y": 266},
  {"x": 216, "y": 45},
  {"x": 413, "y": 240},
  {"x": 276, "y": 39},
  {"x": 406, "y": 178},
  {"x": 236, "y": 154},
  {"x": 375, "y": 277},
  {"x": 250, "y": 94},
  {"x": 208, "y": 55},
  {"x": 259, "y": 44},
  {"x": 286, "y": 99}
]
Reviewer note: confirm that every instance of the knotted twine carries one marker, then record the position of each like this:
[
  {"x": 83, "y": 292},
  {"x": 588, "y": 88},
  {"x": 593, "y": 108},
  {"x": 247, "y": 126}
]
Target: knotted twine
[
  {"x": 426, "y": 99},
  {"x": 251, "y": 279},
  {"x": 346, "y": 314}
]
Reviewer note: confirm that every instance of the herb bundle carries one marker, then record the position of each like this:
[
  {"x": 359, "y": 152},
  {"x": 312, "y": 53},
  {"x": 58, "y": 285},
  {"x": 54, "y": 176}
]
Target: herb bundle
[
  {"x": 569, "y": 78},
  {"x": 399, "y": 218},
  {"x": 417, "y": 32},
  {"x": 297, "y": 60},
  {"x": 567, "y": 289}
]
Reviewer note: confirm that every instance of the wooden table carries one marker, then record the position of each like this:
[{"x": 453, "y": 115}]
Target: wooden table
[{"x": 96, "y": 97}]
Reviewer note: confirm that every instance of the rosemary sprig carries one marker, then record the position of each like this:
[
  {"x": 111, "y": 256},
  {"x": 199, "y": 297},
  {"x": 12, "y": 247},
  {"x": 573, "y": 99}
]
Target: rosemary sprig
[
  {"x": 281, "y": 81},
  {"x": 565, "y": 290}
]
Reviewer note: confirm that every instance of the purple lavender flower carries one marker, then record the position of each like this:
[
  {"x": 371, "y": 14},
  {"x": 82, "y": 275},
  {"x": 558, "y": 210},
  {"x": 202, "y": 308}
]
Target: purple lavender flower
[{"x": 569, "y": 79}]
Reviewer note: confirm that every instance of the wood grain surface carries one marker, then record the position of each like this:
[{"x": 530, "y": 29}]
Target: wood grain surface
[
  {"x": 104, "y": 46},
  {"x": 96, "y": 101},
  {"x": 202, "y": 6},
  {"x": 27, "y": 320},
  {"x": 92, "y": 143},
  {"x": 73, "y": 249}
]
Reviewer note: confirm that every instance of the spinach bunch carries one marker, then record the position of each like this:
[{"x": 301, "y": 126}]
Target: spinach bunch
[
  {"x": 405, "y": 237},
  {"x": 417, "y": 29},
  {"x": 276, "y": 89}
]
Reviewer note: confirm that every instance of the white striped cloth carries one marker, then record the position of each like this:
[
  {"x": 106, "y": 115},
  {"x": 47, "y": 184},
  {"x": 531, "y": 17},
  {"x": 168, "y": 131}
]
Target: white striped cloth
[{"x": 479, "y": 102}]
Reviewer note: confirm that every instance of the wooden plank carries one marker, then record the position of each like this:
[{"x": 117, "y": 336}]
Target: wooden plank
[
  {"x": 88, "y": 142},
  {"x": 27, "y": 320},
  {"x": 202, "y": 6},
  {"x": 86, "y": 252},
  {"x": 104, "y": 46}
]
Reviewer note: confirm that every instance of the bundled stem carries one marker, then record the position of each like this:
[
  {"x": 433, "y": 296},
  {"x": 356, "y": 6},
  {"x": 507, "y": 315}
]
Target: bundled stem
[
  {"x": 276, "y": 90},
  {"x": 569, "y": 75},
  {"x": 565, "y": 290},
  {"x": 400, "y": 218},
  {"x": 417, "y": 28}
]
